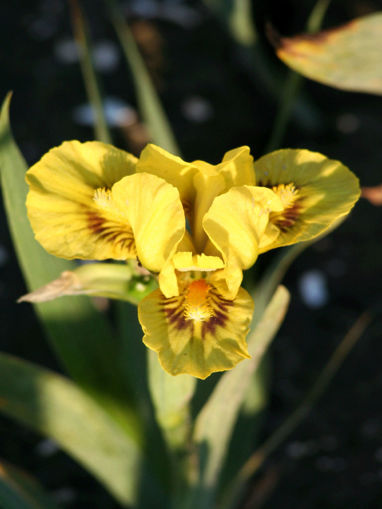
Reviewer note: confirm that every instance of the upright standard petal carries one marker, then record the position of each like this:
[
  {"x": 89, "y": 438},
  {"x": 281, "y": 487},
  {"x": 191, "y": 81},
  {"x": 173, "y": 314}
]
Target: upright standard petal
[
  {"x": 199, "y": 332},
  {"x": 315, "y": 192},
  {"x": 198, "y": 182},
  {"x": 237, "y": 168},
  {"x": 172, "y": 169},
  {"x": 237, "y": 225}
]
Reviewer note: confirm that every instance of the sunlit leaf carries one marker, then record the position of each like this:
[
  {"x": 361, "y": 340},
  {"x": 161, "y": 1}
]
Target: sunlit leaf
[
  {"x": 57, "y": 408},
  {"x": 347, "y": 57},
  {"x": 81, "y": 337},
  {"x": 215, "y": 423},
  {"x": 18, "y": 490}
]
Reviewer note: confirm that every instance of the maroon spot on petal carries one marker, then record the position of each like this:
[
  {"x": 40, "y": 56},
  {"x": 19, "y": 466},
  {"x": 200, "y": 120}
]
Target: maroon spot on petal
[
  {"x": 111, "y": 233},
  {"x": 95, "y": 223}
]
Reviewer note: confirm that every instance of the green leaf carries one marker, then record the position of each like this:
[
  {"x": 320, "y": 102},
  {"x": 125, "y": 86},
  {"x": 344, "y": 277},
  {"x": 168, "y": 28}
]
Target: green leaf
[
  {"x": 214, "y": 424},
  {"x": 18, "y": 490},
  {"x": 171, "y": 396},
  {"x": 80, "y": 336},
  {"x": 81, "y": 33},
  {"x": 148, "y": 100},
  {"x": 347, "y": 57},
  {"x": 57, "y": 408}
]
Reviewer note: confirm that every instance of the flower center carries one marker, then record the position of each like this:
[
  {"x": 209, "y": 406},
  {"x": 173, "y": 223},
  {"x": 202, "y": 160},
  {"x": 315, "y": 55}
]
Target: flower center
[
  {"x": 289, "y": 196},
  {"x": 102, "y": 197},
  {"x": 196, "y": 301}
]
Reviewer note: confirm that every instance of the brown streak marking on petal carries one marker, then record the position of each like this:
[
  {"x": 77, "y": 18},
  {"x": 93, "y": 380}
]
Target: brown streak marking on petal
[
  {"x": 175, "y": 315},
  {"x": 97, "y": 225},
  {"x": 288, "y": 217},
  {"x": 220, "y": 315}
]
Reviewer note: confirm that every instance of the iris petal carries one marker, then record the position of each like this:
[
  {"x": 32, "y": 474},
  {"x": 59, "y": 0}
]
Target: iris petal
[
  {"x": 199, "y": 332},
  {"x": 316, "y": 192},
  {"x": 82, "y": 205},
  {"x": 237, "y": 224},
  {"x": 62, "y": 208}
]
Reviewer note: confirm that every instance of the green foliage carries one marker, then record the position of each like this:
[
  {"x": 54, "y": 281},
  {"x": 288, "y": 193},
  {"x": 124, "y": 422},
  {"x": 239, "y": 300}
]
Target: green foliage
[
  {"x": 81, "y": 337},
  {"x": 57, "y": 408}
]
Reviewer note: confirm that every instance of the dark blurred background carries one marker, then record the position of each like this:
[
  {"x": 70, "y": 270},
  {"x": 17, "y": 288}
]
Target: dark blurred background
[{"x": 218, "y": 96}]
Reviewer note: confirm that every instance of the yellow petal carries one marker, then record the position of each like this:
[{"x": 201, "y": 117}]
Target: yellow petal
[
  {"x": 154, "y": 211},
  {"x": 198, "y": 182},
  {"x": 208, "y": 186},
  {"x": 237, "y": 168},
  {"x": 199, "y": 332},
  {"x": 237, "y": 224},
  {"x": 316, "y": 192},
  {"x": 186, "y": 261},
  {"x": 61, "y": 200},
  {"x": 172, "y": 169},
  {"x": 140, "y": 215},
  {"x": 74, "y": 170}
]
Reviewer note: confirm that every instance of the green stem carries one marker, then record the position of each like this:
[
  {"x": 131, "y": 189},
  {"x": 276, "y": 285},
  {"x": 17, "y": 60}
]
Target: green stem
[
  {"x": 81, "y": 34},
  {"x": 257, "y": 459},
  {"x": 293, "y": 83}
]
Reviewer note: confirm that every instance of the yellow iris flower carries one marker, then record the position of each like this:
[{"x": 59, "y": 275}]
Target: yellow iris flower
[{"x": 195, "y": 224}]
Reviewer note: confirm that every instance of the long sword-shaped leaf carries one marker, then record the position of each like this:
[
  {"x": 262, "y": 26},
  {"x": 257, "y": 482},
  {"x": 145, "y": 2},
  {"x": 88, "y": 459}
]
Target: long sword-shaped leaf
[
  {"x": 214, "y": 424},
  {"x": 81, "y": 337},
  {"x": 57, "y": 408},
  {"x": 148, "y": 100},
  {"x": 20, "y": 491}
]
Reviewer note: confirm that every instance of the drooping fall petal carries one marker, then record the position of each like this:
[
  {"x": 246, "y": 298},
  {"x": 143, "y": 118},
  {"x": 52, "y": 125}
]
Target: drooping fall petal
[
  {"x": 199, "y": 332},
  {"x": 315, "y": 192},
  {"x": 81, "y": 205}
]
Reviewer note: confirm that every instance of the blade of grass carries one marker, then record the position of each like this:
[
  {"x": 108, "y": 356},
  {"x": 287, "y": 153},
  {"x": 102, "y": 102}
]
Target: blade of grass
[
  {"x": 81, "y": 34},
  {"x": 148, "y": 100},
  {"x": 80, "y": 336},
  {"x": 233, "y": 491}
]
